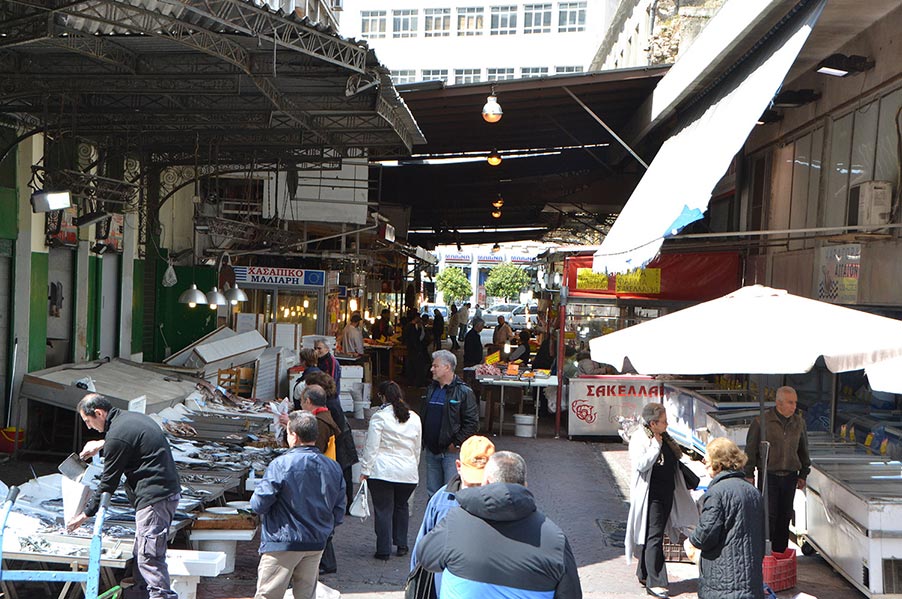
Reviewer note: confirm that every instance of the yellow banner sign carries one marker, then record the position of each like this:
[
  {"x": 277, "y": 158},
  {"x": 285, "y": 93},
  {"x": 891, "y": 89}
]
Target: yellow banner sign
[
  {"x": 586, "y": 279},
  {"x": 644, "y": 280}
]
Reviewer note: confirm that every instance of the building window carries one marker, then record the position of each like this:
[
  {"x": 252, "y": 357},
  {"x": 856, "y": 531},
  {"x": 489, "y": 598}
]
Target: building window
[
  {"x": 499, "y": 74},
  {"x": 536, "y": 18},
  {"x": 470, "y": 20},
  {"x": 404, "y": 76},
  {"x": 504, "y": 20},
  {"x": 564, "y": 70},
  {"x": 467, "y": 76},
  {"x": 404, "y": 23},
  {"x": 438, "y": 22},
  {"x": 571, "y": 16},
  {"x": 435, "y": 75},
  {"x": 372, "y": 24},
  {"x": 526, "y": 72}
]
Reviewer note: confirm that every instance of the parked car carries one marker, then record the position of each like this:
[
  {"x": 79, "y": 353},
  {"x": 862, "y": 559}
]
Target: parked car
[
  {"x": 430, "y": 310},
  {"x": 491, "y": 315},
  {"x": 523, "y": 314}
]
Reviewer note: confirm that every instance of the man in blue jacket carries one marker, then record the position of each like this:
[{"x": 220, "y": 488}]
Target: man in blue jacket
[{"x": 300, "y": 499}]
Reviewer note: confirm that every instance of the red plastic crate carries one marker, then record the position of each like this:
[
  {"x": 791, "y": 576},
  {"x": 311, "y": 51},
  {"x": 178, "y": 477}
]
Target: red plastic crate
[{"x": 779, "y": 570}]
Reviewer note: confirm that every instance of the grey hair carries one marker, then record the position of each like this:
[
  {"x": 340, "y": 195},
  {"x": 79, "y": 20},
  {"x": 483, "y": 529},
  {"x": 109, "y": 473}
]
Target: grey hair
[
  {"x": 320, "y": 340},
  {"x": 652, "y": 412},
  {"x": 443, "y": 355},
  {"x": 91, "y": 402},
  {"x": 506, "y": 467},
  {"x": 304, "y": 425},
  {"x": 316, "y": 395},
  {"x": 783, "y": 391}
]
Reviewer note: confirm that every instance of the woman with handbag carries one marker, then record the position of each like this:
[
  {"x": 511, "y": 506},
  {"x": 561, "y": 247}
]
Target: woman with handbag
[
  {"x": 659, "y": 499},
  {"x": 390, "y": 466},
  {"x": 730, "y": 533}
]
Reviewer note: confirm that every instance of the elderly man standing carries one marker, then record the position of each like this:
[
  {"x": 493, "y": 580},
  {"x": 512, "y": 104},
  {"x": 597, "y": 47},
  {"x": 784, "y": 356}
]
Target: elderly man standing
[
  {"x": 134, "y": 445},
  {"x": 300, "y": 500},
  {"x": 503, "y": 333},
  {"x": 788, "y": 463},
  {"x": 473, "y": 344},
  {"x": 499, "y": 544},
  {"x": 450, "y": 417}
]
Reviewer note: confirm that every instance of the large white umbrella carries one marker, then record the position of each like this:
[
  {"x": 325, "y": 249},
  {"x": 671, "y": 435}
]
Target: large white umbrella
[{"x": 762, "y": 331}]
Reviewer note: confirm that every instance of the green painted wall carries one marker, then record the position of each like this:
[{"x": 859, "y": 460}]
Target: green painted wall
[
  {"x": 9, "y": 215},
  {"x": 137, "y": 306},
  {"x": 181, "y": 325},
  {"x": 37, "y": 318},
  {"x": 95, "y": 274}
]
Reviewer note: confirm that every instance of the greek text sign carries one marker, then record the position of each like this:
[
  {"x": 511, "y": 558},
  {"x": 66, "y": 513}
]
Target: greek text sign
[{"x": 279, "y": 277}]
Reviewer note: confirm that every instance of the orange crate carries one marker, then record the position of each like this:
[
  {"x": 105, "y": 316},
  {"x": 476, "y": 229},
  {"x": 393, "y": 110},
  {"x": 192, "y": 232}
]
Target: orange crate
[{"x": 779, "y": 569}]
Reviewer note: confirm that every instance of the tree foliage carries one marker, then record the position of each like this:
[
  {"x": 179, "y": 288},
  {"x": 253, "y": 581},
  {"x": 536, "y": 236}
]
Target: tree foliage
[
  {"x": 453, "y": 284},
  {"x": 507, "y": 281}
]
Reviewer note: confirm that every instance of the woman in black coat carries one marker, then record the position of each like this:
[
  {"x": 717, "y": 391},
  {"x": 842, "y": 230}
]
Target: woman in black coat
[{"x": 730, "y": 532}]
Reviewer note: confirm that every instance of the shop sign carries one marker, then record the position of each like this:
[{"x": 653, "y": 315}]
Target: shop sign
[
  {"x": 467, "y": 258},
  {"x": 598, "y": 404},
  {"x": 522, "y": 259},
  {"x": 837, "y": 277},
  {"x": 279, "y": 277},
  {"x": 490, "y": 258},
  {"x": 645, "y": 281},
  {"x": 586, "y": 279}
]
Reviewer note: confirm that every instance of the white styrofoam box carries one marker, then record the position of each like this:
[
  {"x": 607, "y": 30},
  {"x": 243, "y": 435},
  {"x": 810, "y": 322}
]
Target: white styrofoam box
[
  {"x": 234, "y": 351},
  {"x": 185, "y": 587},
  {"x": 183, "y": 562},
  {"x": 347, "y": 404},
  {"x": 351, "y": 371},
  {"x": 368, "y": 393}
]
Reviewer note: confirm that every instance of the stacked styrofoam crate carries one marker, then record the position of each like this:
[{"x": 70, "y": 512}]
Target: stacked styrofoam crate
[{"x": 351, "y": 383}]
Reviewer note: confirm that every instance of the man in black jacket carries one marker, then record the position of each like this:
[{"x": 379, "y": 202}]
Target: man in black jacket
[
  {"x": 134, "y": 445},
  {"x": 473, "y": 344},
  {"x": 499, "y": 543},
  {"x": 450, "y": 416}
]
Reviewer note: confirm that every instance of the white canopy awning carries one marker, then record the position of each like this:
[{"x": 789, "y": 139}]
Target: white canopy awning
[
  {"x": 676, "y": 189},
  {"x": 760, "y": 330}
]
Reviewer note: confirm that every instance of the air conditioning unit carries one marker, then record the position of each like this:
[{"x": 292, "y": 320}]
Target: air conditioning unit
[{"x": 870, "y": 203}]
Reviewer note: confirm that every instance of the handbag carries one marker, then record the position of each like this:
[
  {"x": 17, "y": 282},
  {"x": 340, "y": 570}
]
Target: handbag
[
  {"x": 360, "y": 507},
  {"x": 420, "y": 584},
  {"x": 691, "y": 478}
]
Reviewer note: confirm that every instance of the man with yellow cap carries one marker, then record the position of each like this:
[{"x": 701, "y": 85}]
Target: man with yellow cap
[{"x": 474, "y": 455}]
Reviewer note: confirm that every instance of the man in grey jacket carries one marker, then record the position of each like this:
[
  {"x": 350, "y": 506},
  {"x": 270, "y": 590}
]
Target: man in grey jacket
[
  {"x": 300, "y": 499},
  {"x": 788, "y": 463}
]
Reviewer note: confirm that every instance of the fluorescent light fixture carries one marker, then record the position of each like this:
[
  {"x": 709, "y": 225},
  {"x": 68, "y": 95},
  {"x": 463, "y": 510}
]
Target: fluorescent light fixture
[
  {"x": 90, "y": 218},
  {"x": 794, "y": 98},
  {"x": 47, "y": 201},
  {"x": 840, "y": 65}
]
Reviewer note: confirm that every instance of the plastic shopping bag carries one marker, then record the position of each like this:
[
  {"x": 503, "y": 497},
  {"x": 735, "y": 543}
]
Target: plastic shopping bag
[{"x": 360, "y": 507}]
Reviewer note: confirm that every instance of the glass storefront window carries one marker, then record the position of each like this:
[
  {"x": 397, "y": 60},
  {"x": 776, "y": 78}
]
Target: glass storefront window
[{"x": 297, "y": 307}]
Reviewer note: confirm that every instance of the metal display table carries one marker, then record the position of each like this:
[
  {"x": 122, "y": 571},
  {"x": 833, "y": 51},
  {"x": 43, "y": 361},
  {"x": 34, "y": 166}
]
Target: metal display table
[{"x": 551, "y": 381}]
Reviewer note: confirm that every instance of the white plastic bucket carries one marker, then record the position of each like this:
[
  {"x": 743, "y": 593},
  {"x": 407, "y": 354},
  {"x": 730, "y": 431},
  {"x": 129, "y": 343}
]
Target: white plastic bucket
[
  {"x": 524, "y": 425},
  {"x": 226, "y": 546},
  {"x": 359, "y": 407}
]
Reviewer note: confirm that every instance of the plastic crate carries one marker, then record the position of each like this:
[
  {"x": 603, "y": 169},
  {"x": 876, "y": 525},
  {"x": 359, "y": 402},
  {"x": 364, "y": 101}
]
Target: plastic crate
[
  {"x": 673, "y": 552},
  {"x": 779, "y": 569}
]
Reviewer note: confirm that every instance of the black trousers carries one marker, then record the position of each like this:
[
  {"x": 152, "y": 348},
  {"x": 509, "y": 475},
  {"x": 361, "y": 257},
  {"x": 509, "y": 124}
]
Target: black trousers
[
  {"x": 392, "y": 514},
  {"x": 328, "y": 561},
  {"x": 781, "y": 490},
  {"x": 651, "y": 567}
]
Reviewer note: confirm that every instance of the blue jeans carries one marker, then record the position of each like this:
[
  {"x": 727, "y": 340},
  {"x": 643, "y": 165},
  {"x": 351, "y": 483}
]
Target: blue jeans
[{"x": 440, "y": 468}]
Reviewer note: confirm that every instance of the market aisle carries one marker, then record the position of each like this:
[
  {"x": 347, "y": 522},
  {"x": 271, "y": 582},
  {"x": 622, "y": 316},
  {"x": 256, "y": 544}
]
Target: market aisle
[{"x": 581, "y": 486}]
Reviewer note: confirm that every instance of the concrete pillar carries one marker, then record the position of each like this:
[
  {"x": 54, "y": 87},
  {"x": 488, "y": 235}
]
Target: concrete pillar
[{"x": 126, "y": 281}]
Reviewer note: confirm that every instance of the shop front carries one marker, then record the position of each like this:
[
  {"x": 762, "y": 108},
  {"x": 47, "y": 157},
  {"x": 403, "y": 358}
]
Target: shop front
[{"x": 282, "y": 300}]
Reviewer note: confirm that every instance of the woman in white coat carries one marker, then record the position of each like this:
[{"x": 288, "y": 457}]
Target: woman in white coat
[
  {"x": 659, "y": 500},
  {"x": 390, "y": 465}
]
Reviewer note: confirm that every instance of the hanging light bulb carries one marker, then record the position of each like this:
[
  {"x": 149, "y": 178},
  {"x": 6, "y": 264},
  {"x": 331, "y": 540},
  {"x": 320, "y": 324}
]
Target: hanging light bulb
[
  {"x": 496, "y": 213},
  {"x": 366, "y": 314},
  {"x": 507, "y": 347},
  {"x": 494, "y": 158},
  {"x": 235, "y": 295},
  {"x": 499, "y": 202},
  {"x": 496, "y": 248},
  {"x": 353, "y": 304},
  {"x": 215, "y": 298},
  {"x": 192, "y": 296},
  {"x": 306, "y": 303},
  {"x": 491, "y": 112}
]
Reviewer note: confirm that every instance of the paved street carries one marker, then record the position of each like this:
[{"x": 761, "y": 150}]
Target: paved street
[{"x": 580, "y": 485}]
